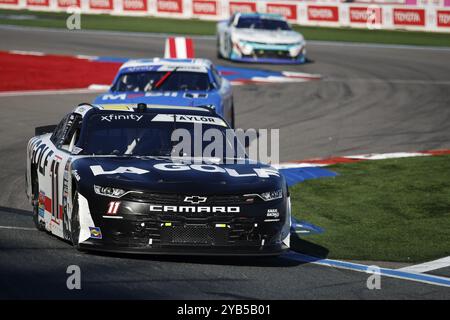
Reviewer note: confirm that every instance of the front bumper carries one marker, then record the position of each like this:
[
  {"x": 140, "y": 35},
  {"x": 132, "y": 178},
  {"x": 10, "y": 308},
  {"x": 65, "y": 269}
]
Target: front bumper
[
  {"x": 268, "y": 54},
  {"x": 136, "y": 230},
  {"x": 274, "y": 250},
  {"x": 268, "y": 60}
]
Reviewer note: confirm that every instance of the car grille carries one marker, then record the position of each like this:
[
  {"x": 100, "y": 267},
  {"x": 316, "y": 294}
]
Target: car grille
[
  {"x": 273, "y": 54},
  {"x": 175, "y": 199},
  {"x": 185, "y": 231}
]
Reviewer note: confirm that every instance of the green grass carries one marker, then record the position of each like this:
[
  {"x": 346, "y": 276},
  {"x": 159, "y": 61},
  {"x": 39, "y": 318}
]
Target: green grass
[
  {"x": 385, "y": 210},
  {"x": 197, "y": 27}
]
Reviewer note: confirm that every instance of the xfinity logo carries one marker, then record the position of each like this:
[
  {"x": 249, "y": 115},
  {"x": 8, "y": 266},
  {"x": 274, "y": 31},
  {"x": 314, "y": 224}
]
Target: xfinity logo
[
  {"x": 195, "y": 199},
  {"x": 193, "y": 209},
  {"x": 112, "y": 117}
]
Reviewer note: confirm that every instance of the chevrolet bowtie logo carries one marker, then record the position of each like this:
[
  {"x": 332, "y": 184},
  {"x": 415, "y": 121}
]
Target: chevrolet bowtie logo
[{"x": 195, "y": 199}]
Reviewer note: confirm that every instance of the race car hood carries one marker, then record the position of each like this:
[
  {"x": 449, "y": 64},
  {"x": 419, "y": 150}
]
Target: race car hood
[
  {"x": 267, "y": 36},
  {"x": 176, "y": 98},
  {"x": 164, "y": 175}
]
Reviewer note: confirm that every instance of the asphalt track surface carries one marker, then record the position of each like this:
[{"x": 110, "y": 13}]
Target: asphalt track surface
[{"x": 371, "y": 99}]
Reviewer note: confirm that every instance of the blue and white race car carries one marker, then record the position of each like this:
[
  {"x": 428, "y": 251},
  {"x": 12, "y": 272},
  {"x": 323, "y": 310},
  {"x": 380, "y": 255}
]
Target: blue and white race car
[
  {"x": 255, "y": 37},
  {"x": 171, "y": 82}
]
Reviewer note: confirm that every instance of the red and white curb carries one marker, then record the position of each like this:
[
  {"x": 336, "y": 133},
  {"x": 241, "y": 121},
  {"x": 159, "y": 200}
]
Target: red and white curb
[
  {"x": 323, "y": 162},
  {"x": 179, "y": 48}
]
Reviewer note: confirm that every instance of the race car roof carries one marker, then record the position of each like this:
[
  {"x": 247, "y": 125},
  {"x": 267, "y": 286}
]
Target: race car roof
[
  {"x": 160, "y": 64},
  {"x": 83, "y": 109}
]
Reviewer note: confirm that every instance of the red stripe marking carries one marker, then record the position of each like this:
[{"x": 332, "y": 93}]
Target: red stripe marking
[
  {"x": 51, "y": 72},
  {"x": 335, "y": 160},
  {"x": 189, "y": 48},
  {"x": 437, "y": 152},
  {"x": 172, "y": 48},
  {"x": 227, "y": 73},
  {"x": 60, "y": 212},
  {"x": 329, "y": 161},
  {"x": 48, "y": 204}
]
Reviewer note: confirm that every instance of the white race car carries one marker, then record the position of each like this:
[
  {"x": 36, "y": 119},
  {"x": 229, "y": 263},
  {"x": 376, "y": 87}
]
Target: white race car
[{"x": 255, "y": 37}]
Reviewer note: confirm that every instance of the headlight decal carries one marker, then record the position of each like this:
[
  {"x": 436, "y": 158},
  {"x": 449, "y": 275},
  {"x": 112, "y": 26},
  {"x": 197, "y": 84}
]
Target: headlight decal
[{"x": 109, "y": 191}]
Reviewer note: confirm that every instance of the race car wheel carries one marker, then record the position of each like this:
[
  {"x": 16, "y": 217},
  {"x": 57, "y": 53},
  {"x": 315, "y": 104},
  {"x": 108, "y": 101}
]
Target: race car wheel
[
  {"x": 232, "y": 117},
  {"x": 219, "y": 54},
  {"x": 37, "y": 224},
  {"x": 229, "y": 48},
  {"x": 75, "y": 222}
]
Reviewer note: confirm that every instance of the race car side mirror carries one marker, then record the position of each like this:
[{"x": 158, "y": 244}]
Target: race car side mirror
[{"x": 44, "y": 129}]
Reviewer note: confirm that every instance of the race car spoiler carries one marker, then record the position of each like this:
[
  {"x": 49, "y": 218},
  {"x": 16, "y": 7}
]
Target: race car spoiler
[{"x": 38, "y": 131}]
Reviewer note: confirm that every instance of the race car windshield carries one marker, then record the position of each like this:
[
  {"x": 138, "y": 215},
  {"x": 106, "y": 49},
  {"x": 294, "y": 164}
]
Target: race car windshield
[
  {"x": 162, "y": 81},
  {"x": 138, "y": 134},
  {"x": 264, "y": 24}
]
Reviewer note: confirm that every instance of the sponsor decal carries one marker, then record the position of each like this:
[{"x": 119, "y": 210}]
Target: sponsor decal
[
  {"x": 323, "y": 13},
  {"x": 82, "y": 110},
  {"x": 124, "y": 96},
  {"x": 113, "y": 207},
  {"x": 366, "y": 15},
  {"x": 76, "y": 150},
  {"x": 204, "y": 7},
  {"x": 289, "y": 11},
  {"x": 195, "y": 95},
  {"x": 243, "y": 7},
  {"x": 96, "y": 233},
  {"x": 117, "y": 107},
  {"x": 15, "y": 2},
  {"x": 209, "y": 168},
  {"x": 76, "y": 175},
  {"x": 121, "y": 96},
  {"x": 135, "y": 5},
  {"x": 98, "y": 170},
  {"x": 189, "y": 119},
  {"x": 193, "y": 209},
  {"x": 273, "y": 213},
  {"x": 195, "y": 199},
  {"x": 69, "y": 3},
  {"x": 101, "y": 4},
  {"x": 409, "y": 17},
  {"x": 115, "y": 117},
  {"x": 41, "y": 155},
  {"x": 169, "y": 6},
  {"x": 443, "y": 18},
  {"x": 41, "y": 204},
  {"x": 41, "y": 3}
]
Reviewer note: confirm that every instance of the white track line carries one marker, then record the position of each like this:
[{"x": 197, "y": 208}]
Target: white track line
[
  {"x": 394, "y": 81},
  {"x": 383, "y": 156},
  {"x": 27, "y": 53},
  {"x": 17, "y": 228},
  {"x": 46, "y": 92},
  {"x": 384, "y": 272},
  {"x": 428, "y": 266}
]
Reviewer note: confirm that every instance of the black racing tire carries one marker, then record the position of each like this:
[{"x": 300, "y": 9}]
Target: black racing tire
[
  {"x": 35, "y": 190},
  {"x": 219, "y": 55},
  {"x": 75, "y": 222},
  {"x": 230, "y": 48},
  {"x": 232, "y": 124}
]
